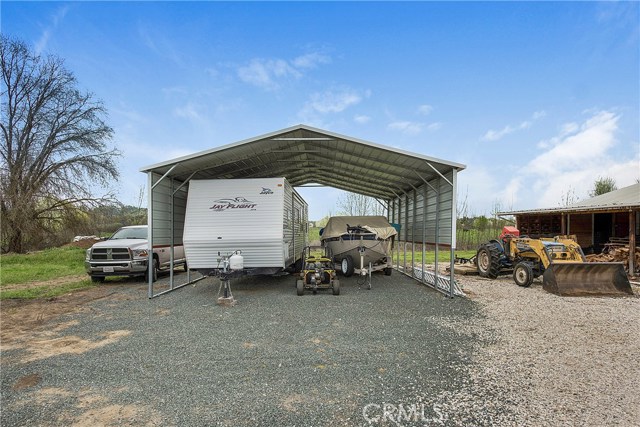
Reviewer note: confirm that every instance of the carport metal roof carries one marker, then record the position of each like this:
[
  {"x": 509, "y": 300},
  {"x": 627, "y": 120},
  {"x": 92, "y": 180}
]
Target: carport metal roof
[{"x": 307, "y": 155}]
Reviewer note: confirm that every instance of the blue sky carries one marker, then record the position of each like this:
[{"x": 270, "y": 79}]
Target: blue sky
[{"x": 537, "y": 99}]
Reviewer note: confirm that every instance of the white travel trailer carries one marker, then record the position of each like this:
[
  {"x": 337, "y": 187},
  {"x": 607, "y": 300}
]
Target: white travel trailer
[{"x": 264, "y": 218}]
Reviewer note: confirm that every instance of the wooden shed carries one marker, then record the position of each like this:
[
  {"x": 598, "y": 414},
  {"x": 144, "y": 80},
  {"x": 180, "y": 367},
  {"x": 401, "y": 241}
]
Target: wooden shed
[{"x": 613, "y": 217}]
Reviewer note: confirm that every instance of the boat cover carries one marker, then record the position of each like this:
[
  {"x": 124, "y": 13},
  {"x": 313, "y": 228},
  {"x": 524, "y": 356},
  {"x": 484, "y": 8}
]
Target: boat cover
[{"x": 337, "y": 226}]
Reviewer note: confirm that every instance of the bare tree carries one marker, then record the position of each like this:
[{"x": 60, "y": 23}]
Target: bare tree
[
  {"x": 54, "y": 145},
  {"x": 602, "y": 186},
  {"x": 353, "y": 204},
  {"x": 568, "y": 198}
]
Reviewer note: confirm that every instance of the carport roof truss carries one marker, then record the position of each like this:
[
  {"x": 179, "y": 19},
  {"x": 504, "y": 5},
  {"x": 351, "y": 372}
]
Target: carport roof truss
[{"x": 306, "y": 155}]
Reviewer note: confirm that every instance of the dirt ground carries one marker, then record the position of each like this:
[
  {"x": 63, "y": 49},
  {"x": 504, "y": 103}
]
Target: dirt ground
[
  {"x": 19, "y": 318},
  {"x": 35, "y": 326}
]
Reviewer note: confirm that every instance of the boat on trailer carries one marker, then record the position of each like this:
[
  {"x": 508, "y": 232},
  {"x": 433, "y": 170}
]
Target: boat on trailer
[{"x": 359, "y": 243}]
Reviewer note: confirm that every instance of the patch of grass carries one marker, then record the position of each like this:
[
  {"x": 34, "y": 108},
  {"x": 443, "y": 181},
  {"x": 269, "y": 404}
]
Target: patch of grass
[
  {"x": 41, "y": 266},
  {"x": 313, "y": 234},
  {"x": 45, "y": 291},
  {"x": 430, "y": 257}
]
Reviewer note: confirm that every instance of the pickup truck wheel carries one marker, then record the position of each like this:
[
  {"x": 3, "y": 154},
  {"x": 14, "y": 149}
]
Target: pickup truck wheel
[
  {"x": 155, "y": 271},
  {"x": 97, "y": 279}
]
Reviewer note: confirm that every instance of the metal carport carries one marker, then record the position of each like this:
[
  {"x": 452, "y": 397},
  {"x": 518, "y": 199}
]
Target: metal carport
[{"x": 418, "y": 191}]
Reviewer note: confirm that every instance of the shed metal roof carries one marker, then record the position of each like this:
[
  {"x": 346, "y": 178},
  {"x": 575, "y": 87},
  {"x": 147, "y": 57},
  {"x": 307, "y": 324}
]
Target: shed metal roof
[
  {"x": 307, "y": 155},
  {"x": 622, "y": 199}
]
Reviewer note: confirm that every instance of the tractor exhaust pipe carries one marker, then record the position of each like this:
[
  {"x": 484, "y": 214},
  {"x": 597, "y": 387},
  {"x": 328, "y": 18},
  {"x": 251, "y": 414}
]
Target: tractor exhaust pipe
[{"x": 582, "y": 279}]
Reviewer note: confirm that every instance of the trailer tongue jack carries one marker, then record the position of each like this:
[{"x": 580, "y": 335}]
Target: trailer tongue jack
[
  {"x": 232, "y": 266},
  {"x": 365, "y": 273}
]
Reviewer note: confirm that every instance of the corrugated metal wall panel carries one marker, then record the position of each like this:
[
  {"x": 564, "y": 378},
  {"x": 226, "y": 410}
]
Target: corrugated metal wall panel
[
  {"x": 162, "y": 215},
  {"x": 412, "y": 227},
  {"x": 161, "y": 209}
]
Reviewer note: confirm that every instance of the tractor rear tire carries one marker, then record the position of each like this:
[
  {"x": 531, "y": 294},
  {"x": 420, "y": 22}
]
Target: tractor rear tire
[
  {"x": 347, "y": 266},
  {"x": 488, "y": 261},
  {"x": 523, "y": 274}
]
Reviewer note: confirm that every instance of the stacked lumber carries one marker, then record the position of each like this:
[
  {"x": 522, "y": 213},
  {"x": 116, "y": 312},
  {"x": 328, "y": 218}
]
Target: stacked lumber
[{"x": 620, "y": 254}]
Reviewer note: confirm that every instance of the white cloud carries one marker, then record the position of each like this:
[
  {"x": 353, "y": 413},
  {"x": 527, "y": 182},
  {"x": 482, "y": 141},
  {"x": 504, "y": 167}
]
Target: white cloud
[
  {"x": 266, "y": 73},
  {"x": 362, "y": 119},
  {"x": 495, "y": 135},
  {"x": 432, "y": 127},
  {"x": 425, "y": 109},
  {"x": 331, "y": 101},
  {"x": 162, "y": 46},
  {"x": 310, "y": 60},
  {"x": 191, "y": 112},
  {"x": 269, "y": 74},
  {"x": 538, "y": 115},
  {"x": 574, "y": 159},
  {"x": 334, "y": 102},
  {"x": 56, "y": 19},
  {"x": 478, "y": 186},
  {"x": 406, "y": 127}
]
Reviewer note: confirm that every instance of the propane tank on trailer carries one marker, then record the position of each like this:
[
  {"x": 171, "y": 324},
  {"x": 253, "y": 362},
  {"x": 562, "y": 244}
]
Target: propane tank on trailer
[{"x": 236, "y": 261}]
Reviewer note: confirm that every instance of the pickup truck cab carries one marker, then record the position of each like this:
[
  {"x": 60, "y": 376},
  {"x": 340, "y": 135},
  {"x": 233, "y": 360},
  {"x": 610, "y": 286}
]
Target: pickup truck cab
[{"x": 126, "y": 254}]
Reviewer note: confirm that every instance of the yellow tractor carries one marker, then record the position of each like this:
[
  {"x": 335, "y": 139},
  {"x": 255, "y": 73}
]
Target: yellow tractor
[{"x": 559, "y": 260}]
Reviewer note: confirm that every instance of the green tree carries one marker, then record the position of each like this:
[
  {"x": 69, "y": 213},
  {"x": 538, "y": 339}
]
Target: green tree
[
  {"x": 602, "y": 186},
  {"x": 54, "y": 145}
]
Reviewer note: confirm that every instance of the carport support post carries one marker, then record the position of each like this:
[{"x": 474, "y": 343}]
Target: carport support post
[
  {"x": 454, "y": 214},
  {"x": 399, "y": 236},
  {"x": 632, "y": 243},
  {"x": 413, "y": 233},
  {"x": 171, "y": 259},
  {"x": 150, "y": 233},
  {"x": 437, "y": 251},
  {"x": 406, "y": 231},
  {"x": 424, "y": 227}
]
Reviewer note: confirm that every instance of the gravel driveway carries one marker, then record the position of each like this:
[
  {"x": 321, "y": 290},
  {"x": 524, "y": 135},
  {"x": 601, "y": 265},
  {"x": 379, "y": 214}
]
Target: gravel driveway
[
  {"x": 399, "y": 354},
  {"x": 273, "y": 359}
]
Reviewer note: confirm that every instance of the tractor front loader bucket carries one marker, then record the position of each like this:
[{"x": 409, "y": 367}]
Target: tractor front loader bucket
[{"x": 594, "y": 278}]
